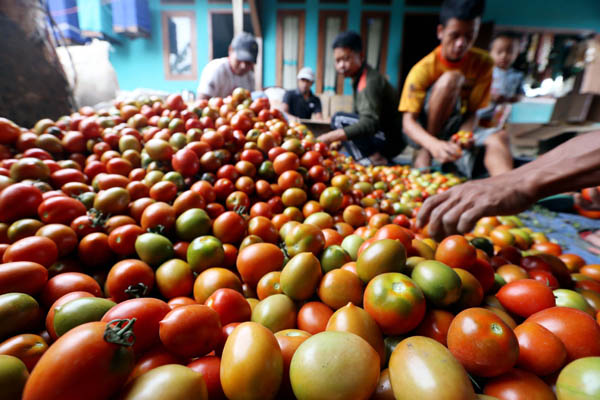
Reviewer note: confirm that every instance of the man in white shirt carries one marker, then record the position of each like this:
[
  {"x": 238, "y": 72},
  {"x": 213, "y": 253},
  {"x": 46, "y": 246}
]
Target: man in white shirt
[{"x": 222, "y": 75}]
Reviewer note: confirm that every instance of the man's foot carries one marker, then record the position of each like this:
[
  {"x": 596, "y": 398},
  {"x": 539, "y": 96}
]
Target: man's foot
[{"x": 422, "y": 159}]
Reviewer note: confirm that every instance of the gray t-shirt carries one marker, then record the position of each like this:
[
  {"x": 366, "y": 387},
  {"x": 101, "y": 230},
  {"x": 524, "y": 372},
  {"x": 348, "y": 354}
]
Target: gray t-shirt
[{"x": 218, "y": 80}]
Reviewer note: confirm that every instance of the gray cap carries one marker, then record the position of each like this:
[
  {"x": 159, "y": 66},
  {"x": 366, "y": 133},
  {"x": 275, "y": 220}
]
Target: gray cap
[
  {"x": 306, "y": 73},
  {"x": 245, "y": 47}
]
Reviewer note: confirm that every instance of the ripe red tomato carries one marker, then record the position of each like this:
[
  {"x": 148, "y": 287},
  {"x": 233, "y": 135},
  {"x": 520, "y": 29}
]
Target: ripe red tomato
[
  {"x": 67, "y": 282},
  {"x": 229, "y": 227},
  {"x": 209, "y": 367},
  {"x": 97, "y": 375},
  {"x": 37, "y": 249},
  {"x": 525, "y": 297},
  {"x": 313, "y": 317},
  {"x": 19, "y": 201},
  {"x": 129, "y": 279},
  {"x": 230, "y": 305},
  {"x": 540, "y": 351},
  {"x": 148, "y": 312},
  {"x": 576, "y": 329},
  {"x": 456, "y": 252},
  {"x": 517, "y": 384},
  {"x": 60, "y": 210},
  {"x": 191, "y": 331},
  {"x": 482, "y": 342}
]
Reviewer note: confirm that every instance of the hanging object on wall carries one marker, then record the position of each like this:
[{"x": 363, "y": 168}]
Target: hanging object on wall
[
  {"x": 95, "y": 19},
  {"x": 65, "y": 21},
  {"x": 131, "y": 18}
]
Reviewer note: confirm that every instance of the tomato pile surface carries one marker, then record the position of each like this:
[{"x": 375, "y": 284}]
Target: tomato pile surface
[{"x": 163, "y": 250}]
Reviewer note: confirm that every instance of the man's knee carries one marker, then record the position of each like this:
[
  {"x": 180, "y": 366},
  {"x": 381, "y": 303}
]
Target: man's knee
[
  {"x": 497, "y": 141},
  {"x": 449, "y": 82},
  {"x": 340, "y": 120}
]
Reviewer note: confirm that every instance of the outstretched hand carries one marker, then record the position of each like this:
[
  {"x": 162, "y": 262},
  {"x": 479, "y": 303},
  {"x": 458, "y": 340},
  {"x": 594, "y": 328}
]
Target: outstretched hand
[{"x": 458, "y": 209}]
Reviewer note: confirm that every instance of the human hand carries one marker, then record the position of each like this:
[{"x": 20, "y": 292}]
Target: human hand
[
  {"x": 588, "y": 199},
  {"x": 457, "y": 210},
  {"x": 444, "y": 151},
  {"x": 332, "y": 136}
]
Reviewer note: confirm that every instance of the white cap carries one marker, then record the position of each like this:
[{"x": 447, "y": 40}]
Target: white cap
[{"x": 306, "y": 73}]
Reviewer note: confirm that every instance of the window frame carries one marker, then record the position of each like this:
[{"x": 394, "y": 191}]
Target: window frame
[
  {"x": 301, "y": 14},
  {"x": 323, "y": 15},
  {"x": 385, "y": 36},
  {"x": 165, "y": 15}
]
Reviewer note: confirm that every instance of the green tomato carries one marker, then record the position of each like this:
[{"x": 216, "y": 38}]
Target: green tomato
[
  {"x": 192, "y": 223},
  {"x": 440, "y": 283},
  {"x": 154, "y": 249}
]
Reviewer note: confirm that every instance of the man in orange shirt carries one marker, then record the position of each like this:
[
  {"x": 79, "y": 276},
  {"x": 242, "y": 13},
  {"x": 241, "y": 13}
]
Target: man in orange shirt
[{"x": 444, "y": 90}]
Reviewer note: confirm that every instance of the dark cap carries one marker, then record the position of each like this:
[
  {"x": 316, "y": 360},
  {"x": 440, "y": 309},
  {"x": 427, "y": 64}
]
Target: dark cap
[{"x": 245, "y": 47}]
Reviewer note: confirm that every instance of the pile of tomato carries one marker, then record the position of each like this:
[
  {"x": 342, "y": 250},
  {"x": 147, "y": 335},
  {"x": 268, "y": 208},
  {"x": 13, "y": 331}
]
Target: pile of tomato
[{"x": 163, "y": 250}]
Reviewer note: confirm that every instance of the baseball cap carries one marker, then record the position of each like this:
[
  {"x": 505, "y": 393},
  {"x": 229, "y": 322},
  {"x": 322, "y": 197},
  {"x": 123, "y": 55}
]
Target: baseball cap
[
  {"x": 306, "y": 73},
  {"x": 245, "y": 47}
]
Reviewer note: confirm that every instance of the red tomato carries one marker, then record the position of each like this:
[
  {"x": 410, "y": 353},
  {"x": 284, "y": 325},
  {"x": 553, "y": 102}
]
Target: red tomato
[
  {"x": 482, "y": 342},
  {"x": 37, "y": 249},
  {"x": 148, "y": 312},
  {"x": 525, "y": 297},
  {"x": 60, "y": 210},
  {"x": 68, "y": 282},
  {"x": 313, "y": 317},
  {"x": 19, "y": 201},
  {"x": 230, "y": 305},
  {"x": 23, "y": 277},
  {"x": 101, "y": 369},
  {"x": 129, "y": 279},
  {"x": 435, "y": 325},
  {"x": 209, "y": 367},
  {"x": 191, "y": 331},
  {"x": 94, "y": 250},
  {"x": 517, "y": 384},
  {"x": 122, "y": 239},
  {"x": 26, "y": 347},
  {"x": 576, "y": 329},
  {"x": 540, "y": 351},
  {"x": 456, "y": 252},
  {"x": 154, "y": 358},
  {"x": 186, "y": 162},
  {"x": 229, "y": 227}
]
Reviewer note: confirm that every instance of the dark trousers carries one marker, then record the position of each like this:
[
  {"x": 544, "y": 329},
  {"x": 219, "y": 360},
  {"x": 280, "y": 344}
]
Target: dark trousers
[{"x": 360, "y": 147}]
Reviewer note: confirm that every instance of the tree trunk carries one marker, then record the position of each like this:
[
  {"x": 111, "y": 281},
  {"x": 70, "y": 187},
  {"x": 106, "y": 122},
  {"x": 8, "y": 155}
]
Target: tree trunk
[{"x": 32, "y": 82}]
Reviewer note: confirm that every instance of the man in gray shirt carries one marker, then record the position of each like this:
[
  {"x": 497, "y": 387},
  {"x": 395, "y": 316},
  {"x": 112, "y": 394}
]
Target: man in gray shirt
[{"x": 222, "y": 75}]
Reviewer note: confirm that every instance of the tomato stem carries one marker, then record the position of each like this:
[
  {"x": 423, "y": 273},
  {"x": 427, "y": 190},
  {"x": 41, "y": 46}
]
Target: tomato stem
[
  {"x": 137, "y": 290},
  {"x": 120, "y": 331}
]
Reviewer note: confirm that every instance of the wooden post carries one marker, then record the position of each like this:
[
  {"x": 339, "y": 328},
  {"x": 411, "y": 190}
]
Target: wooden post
[{"x": 32, "y": 82}]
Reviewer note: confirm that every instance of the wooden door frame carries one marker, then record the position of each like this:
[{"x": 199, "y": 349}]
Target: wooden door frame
[
  {"x": 323, "y": 14},
  {"x": 384, "y": 39},
  {"x": 301, "y": 14},
  {"x": 165, "y": 14}
]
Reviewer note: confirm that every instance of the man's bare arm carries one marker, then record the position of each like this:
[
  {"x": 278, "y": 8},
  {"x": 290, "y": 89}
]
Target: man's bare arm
[
  {"x": 440, "y": 150},
  {"x": 571, "y": 166}
]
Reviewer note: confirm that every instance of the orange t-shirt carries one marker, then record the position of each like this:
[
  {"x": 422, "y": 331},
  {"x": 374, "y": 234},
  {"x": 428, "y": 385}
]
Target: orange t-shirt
[{"x": 476, "y": 66}]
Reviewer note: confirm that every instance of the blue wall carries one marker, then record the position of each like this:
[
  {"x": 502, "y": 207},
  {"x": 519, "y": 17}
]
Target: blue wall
[{"x": 139, "y": 62}]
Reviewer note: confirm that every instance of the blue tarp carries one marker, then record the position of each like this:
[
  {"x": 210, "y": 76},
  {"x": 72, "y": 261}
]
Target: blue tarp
[
  {"x": 564, "y": 228},
  {"x": 95, "y": 18},
  {"x": 132, "y": 17},
  {"x": 64, "y": 14}
]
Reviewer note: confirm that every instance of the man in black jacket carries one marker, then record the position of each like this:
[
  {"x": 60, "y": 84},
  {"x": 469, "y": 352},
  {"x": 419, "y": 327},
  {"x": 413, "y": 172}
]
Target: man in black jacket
[{"x": 373, "y": 133}]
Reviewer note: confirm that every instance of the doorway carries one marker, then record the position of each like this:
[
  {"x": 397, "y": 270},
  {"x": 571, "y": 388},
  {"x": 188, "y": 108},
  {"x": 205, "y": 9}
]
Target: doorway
[{"x": 419, "y": 38}]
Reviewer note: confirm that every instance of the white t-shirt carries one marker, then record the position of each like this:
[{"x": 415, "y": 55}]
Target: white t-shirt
[{"x": 218, "y": 80}]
